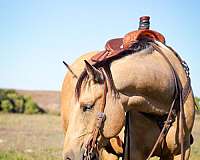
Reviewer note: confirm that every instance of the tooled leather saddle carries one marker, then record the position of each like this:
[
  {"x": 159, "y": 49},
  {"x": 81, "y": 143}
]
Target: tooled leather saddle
[{"x": 118, "y": 46}]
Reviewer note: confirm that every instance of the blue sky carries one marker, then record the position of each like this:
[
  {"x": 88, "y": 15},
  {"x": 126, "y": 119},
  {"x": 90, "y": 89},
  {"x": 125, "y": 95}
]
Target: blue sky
[{"x": 36, "y": 36}]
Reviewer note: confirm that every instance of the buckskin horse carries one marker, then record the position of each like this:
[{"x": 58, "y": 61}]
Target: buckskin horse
[{"x": 138, "y": 83}]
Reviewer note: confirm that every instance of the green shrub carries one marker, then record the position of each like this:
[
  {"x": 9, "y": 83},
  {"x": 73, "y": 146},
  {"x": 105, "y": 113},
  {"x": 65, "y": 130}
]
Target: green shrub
[
  {"x": 19, "y": 105},
  {"x": 10, "y": 101},
  {"x": 7, "y": 91},
  {"x": 197, "y": 100},
  {"x": 2, "y": 94},
  {"x": 12, "y": 95},
  {"x": 7, "y": 94},
  {"x": 7, "y": 106},
  {"x": 31, "y": 107}
]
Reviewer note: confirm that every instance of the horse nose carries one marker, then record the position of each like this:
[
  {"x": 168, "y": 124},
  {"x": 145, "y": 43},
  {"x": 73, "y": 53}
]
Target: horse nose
[{"x": 69, "y": 156}]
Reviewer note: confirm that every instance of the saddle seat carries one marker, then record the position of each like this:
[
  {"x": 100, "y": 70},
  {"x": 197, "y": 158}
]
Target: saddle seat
[{"x": 118, "y": 46}]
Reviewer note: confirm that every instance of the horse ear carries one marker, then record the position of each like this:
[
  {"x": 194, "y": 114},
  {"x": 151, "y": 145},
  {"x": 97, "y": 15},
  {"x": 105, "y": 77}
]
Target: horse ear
[{"x": 93, "y": 73}]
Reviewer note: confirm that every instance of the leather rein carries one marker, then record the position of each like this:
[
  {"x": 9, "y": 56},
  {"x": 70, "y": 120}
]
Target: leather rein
[{"x": 177, "y": 105}]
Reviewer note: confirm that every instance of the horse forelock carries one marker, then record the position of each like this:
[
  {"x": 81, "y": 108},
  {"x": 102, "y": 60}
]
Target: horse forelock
[
  {"x": 80, "y": 80},
  {"x": 84, "y": 76}
]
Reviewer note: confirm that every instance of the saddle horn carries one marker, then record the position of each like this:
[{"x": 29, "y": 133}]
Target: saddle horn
[{"x": 74, "y": 75}]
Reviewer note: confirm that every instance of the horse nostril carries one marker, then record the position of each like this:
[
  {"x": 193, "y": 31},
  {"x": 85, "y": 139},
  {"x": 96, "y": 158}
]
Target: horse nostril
[{"x": 69, "y": 156}]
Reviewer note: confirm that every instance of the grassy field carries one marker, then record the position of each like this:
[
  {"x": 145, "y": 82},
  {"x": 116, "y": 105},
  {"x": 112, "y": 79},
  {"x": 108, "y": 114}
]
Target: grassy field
[
  {"x": 30, "y": 137},
  {"x": 40, "y": 137}
]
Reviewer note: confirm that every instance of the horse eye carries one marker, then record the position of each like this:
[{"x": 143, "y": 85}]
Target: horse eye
[{"x": 87, "y": 107}]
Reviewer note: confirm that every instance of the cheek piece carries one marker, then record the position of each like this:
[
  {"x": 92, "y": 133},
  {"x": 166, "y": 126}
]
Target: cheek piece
[{"x": 91, "y": 144}]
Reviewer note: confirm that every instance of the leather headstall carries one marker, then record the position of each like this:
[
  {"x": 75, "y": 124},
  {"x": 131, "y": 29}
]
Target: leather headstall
[{"x": 92, "y": 143}]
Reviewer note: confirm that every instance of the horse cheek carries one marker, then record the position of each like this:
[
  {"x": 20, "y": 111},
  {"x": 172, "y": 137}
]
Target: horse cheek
[{"x": 115, "y": 118}]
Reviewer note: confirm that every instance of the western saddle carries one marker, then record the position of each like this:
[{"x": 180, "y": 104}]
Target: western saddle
[{"x": 116, "y": 47}]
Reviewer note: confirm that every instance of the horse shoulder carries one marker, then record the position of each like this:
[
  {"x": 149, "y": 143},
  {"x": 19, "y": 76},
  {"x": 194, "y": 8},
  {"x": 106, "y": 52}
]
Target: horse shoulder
[{"x": 146, "y": 79}]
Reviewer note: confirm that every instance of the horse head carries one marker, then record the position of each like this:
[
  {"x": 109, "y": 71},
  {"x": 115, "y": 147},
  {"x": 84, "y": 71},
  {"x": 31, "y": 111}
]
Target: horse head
[{"x": 96, "y": 115}]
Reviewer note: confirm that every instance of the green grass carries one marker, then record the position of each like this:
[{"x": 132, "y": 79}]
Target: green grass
[
  {"x": 40, "y": 137},
  {"x": 30, "y": 137},
  {"x": 11, "y": 156},
  {"x": 195, "y": 154},
  {"x": 15, "y": 155}
]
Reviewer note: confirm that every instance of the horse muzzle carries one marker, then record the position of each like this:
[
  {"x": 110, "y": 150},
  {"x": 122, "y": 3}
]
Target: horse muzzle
[{"x": 69, "y": 156}]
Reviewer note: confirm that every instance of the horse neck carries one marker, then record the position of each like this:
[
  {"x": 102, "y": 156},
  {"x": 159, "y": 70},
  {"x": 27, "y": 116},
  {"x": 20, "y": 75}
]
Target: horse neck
[{"x": 144, "y": 74}]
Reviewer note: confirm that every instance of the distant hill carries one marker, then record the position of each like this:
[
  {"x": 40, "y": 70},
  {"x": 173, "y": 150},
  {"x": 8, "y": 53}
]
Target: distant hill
[{"x": 47, "y": 100}]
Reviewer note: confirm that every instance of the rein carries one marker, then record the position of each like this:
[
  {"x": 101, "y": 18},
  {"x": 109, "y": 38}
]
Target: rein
[
  {"x": 92, "y": 142},
  {"x": 181, "y": 95}
]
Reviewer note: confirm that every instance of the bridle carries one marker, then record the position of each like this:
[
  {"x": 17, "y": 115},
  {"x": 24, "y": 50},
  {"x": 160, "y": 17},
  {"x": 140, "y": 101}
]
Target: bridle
[{"x": 92, "y": 143}]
